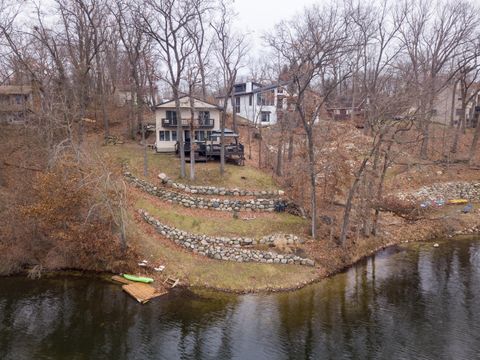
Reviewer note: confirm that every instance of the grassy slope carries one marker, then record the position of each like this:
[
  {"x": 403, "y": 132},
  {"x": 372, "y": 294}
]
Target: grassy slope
[
  {"x": 197, "y": 270},
  {"x": 203, "y": 272},
  {"x": 223, "y": 224},
  {"x": 244, "y": 177}
]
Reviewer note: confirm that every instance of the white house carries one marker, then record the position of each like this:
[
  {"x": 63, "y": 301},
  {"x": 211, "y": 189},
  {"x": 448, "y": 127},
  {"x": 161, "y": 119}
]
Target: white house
[
  {"x": 447, "y": 107},
  {"x": 207, "y": 120},
  {"x": 257, "y": 103}
]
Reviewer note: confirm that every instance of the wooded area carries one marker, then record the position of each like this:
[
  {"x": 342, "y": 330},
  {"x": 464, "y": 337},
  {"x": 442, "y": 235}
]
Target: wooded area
[{"x": 79, "y": 56}]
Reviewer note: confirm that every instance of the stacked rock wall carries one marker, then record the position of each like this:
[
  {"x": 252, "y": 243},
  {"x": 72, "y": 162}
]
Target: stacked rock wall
[
  {"x": 447, "y": 190},
  {"x": 192, "y": 201},
  {"x": 237, "y": 249}
]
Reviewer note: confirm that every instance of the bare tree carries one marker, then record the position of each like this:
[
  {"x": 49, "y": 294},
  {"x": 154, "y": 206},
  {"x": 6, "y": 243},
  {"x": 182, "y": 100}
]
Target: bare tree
[
  {"x": 229, "y": 50},
  {"x": 167, "y": 22},
  {"x": 467, "y": 80},
  {"x": 312, "y": 48},
  {"x": 432, "y": 33}
]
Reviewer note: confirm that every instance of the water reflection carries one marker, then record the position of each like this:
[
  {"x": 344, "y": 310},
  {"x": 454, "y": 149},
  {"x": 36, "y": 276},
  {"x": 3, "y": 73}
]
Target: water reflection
[{"x": 421, "y": 303}]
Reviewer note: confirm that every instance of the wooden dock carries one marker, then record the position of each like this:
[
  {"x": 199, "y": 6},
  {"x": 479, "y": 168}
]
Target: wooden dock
[
  {"x": 142, "y": 292},
  {"x": 139, "y": 291}
]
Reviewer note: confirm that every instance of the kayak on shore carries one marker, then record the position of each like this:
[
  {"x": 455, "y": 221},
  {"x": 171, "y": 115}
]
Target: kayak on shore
[{"x": 142, "y": 279}]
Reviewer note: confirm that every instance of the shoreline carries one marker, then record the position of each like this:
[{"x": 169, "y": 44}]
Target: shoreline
[{"x": 105, "y": 275}]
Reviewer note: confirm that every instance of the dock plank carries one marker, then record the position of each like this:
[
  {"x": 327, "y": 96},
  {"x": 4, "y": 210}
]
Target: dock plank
[{"x": 142, "y": 292}]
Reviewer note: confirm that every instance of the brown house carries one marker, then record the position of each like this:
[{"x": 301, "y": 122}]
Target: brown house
[{"x": 16, "y": 103}]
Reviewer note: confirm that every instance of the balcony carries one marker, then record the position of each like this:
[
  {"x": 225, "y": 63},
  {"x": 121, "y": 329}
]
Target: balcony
[{"x": 198, "y": 123}]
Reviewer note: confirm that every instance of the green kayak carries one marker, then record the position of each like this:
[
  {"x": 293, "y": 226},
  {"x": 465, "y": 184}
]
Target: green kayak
[{"x": 142, "y": 279}]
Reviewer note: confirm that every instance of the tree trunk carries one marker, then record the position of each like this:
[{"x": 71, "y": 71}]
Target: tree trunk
[
  {"x": 349, "y": 202},
  {"x": 180, "y": 140},
  {"x": 260, "y": 139},
  {"x": 425, "y": 140},
  {"x": 145, "y": 156},
  {"x": 452, "y": 110},
  {"x": 234, "y": 115},
  {"x": 192, "y": 138},
  {"x": 386, "y": 160},
  {"x": 279, "y": 168},
  {"x": 101, "y": 94},
  {"x": 473, "y": 146},
  {"x": 290, "y": 147},
  {"x": 222, "y": 145},
  {"x": 460, "y": 125},
  {"x": 313, "y": 183}
]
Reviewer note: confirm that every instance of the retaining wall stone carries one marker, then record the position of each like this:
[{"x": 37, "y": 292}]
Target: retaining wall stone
[
  {"x": 446, "y": 190},
  {"x": 191, "y": 201},
  {"x": 221, "y": 191},
  {"x": 237, "y": 249}
]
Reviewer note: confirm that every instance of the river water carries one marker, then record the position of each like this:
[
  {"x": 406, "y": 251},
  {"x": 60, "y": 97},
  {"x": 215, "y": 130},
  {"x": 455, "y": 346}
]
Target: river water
[{"x": 417, "y": 302}]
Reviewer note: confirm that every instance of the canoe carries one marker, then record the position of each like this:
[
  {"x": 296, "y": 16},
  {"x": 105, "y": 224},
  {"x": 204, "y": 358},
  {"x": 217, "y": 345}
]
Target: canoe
[{"x": 142, "y": 279}]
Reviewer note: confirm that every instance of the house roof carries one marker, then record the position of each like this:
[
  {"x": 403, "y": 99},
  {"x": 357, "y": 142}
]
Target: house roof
[
  {"x": 259, "y": 89},
  {"x": 345, "y": 102},
  {"x": 185, "y": 104},
  {"x": 15, "y": 89}
]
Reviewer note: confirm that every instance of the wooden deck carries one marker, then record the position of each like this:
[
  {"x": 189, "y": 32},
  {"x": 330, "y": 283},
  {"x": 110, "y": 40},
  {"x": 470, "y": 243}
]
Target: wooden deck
[
  {"x": 142, "y": 292},
  {"x": 139, "y": 291}
]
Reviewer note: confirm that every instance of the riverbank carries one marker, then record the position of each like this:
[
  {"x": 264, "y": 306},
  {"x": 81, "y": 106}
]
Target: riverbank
[{"x": 198, "y": 272}]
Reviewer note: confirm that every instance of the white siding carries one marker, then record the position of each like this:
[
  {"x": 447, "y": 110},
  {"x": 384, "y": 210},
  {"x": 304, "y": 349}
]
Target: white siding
[
  {"x": 160, "y": 113},
  {"x": 253, "y": 112}
]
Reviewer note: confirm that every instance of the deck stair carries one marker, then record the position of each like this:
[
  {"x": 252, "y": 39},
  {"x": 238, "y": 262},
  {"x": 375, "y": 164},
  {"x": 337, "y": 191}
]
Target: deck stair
[{"x": 170, "y": 283}]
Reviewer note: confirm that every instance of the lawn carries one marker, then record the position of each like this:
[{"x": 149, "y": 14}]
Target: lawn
[
  {"x": 223, "y": 224},
  {"x": 244, "y": 177},
  {"x": 199, "y": 271}
]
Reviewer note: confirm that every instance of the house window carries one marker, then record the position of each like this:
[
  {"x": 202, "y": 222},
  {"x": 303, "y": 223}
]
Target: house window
[
  {"x": 237, "y": 104},
  {"x": 209, "y": 135},
  {"x": 240, "y": 88},
  {"x": 250, "y": 100},
  {"x": 265, "y": 116},
  {"x": 18, "y": 99},
  {"x": 200, "y": 135},
  {"x": 174, "y": 136},
  {"x": 266, "y": 98},
  {"x": 164, "y": 136},
  {"x": 204, "y": 117},
  {"x": 171, "y": 117}
]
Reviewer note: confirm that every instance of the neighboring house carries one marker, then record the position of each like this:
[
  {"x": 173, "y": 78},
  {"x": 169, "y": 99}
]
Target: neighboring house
[
  {"x": 256, "y": 103},
  {"x": 207, "y": 120},
  {"x": 16, "y": 102},
  {"x": 447, "y": 107},
  {"x": 342, "y": 109},
  {"x": 122, "y": 95}
]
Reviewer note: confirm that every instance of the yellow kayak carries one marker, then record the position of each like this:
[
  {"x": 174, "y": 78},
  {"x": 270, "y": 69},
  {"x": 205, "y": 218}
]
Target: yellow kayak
[{"x": 458, "y": 201}]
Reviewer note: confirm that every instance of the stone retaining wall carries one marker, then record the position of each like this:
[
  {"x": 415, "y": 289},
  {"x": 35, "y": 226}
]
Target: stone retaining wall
[
  {"x": 206, "y": 203},
  {"x": 212, "y": 190},
  {"x": 447, "y": 190},
  {"x": 229, "y": 249}
]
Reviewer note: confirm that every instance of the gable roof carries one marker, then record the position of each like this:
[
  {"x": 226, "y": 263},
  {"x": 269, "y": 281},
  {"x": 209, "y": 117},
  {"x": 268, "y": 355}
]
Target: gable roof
[{"x": 185, "y": 104}]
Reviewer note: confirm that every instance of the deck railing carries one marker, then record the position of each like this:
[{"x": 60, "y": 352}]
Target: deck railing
[{"x": 198, "y": 123}]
